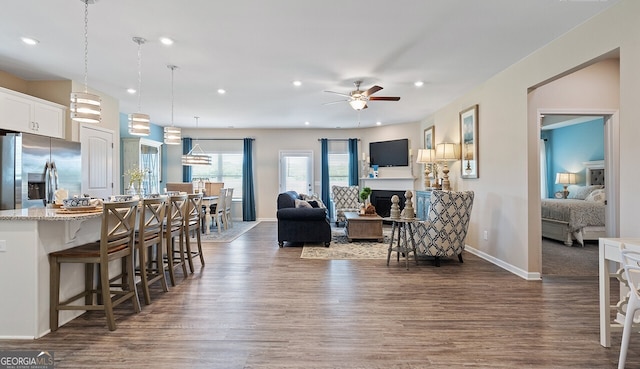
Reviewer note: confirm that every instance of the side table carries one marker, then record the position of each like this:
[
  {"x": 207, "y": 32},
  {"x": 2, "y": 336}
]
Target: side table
[{"x": 402, "y": 226}]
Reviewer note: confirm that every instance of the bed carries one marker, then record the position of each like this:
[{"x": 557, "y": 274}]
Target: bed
[{"x": 581, "y": 217}]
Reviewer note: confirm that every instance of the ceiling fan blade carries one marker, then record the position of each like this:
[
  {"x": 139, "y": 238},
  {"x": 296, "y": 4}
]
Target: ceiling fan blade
[
  {"x": 372, "y": 90},
  {"x": 335, "y": 102},
  {"x": 338, "y": 93},
  {"x": 385, "y": 98}
]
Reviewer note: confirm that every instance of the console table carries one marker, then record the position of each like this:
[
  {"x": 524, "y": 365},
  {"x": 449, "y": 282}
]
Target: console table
[{"x": 610, "y": 256}]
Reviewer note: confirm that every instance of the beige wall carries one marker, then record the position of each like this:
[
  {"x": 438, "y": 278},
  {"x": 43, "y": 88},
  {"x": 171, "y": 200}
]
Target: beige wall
[
  {"x": 269, "y": 142},
  {"x": 507, "y": 192}
]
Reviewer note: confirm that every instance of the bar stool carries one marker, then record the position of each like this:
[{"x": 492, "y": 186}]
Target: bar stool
[
  {"x": 116, "y": 242},
  {"x": 174, "y": 227},
  {"x": 192, "y": 225},
  {"x": 149, "y": 245}
]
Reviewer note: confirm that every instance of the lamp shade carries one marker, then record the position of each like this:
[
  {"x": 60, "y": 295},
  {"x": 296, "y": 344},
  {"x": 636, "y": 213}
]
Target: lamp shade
[
  {"x": 447, "y": 151},
  {"x": 426, "y": 156},
  {"x": 85, "y": 107},
  {"x": 139, "y": 124},
  {"x": 566, "y": 178},
  {"x": 172, "y": 135}
]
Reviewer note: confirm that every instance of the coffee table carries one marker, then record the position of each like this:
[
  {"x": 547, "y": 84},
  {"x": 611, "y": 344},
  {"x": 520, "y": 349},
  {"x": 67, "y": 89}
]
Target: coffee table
[{"x": 367, "y": 227}]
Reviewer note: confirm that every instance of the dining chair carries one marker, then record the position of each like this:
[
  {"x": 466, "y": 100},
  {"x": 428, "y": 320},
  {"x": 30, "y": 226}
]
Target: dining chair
[
  {"x": 174, "y": 227},
  {"x": 116, "y": 242},
  {"x": 192, "y": 227},
  {"x": 227, "y": 207},
  {"x": 631, "y": 265},
  {"x": 149, "y": 236},
  {"x": 219, "y": 216}
]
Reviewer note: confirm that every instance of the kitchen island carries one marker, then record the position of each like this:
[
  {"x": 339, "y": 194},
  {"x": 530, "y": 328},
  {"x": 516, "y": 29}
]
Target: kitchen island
[{"x": 27, "y": 236}]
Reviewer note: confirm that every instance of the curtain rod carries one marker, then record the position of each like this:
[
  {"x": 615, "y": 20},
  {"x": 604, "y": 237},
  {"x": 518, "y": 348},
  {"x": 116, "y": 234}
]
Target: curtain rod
[{"x": 338, "y": 139}]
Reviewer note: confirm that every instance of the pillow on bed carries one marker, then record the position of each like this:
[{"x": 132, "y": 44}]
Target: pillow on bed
[
  {"x": 596, "y": 196},
  {"x": 581, "y": 192}
]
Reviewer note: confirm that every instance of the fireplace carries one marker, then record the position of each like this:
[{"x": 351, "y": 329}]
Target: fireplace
[{"x": 381, "y": 199}]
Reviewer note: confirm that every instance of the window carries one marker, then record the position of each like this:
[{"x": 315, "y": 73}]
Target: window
[
  {"x": 227, "y": 158},
  {"x": 338, "y": 163}
]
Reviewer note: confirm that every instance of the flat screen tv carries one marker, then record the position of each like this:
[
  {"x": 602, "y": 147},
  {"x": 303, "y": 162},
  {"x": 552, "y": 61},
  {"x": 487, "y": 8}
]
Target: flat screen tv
[{"x": 394, "y": 153}]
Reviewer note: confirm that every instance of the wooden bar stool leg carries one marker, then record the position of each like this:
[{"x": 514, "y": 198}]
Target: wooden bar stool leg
[
  {"x": 144, "y": 278},
  {"x": 170, "y": 247},
  {"x": 187, "y": 237},
  {"x": 106, "y": 297}
]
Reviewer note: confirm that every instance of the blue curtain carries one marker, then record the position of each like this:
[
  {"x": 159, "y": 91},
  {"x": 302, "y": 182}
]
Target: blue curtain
[
  {"x": 186, "y": 170},
  {"x": 248, "y": 197},
  {"x": 325, "y": 175},
  {"x": 353, "y": 162}
]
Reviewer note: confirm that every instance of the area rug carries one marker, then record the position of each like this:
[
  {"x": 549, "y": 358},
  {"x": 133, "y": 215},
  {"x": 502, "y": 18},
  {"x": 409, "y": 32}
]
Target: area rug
[
  {"x": 228, "y": 235},
  {"x": 342, "y": 249}
]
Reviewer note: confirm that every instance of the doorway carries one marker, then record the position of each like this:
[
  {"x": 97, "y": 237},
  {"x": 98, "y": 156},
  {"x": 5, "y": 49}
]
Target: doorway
[{"x": 296, "y": 171}]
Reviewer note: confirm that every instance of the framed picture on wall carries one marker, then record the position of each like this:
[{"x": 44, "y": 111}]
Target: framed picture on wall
[
  {"x": 469, "y": 135},
  {"x": 429, "y": 134}
]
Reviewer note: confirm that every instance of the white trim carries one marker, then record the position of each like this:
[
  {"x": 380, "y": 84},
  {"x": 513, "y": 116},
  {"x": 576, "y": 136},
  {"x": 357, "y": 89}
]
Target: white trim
[{"x": 534, "y": 276}]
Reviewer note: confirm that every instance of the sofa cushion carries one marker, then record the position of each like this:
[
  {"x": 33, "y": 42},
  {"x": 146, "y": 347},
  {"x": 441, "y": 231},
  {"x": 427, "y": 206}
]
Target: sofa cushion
[{"x": 301, "y": 214}]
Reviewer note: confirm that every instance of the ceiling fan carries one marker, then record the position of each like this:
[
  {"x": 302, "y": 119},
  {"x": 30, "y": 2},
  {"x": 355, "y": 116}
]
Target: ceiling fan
[{"x": 358, "y": 99}]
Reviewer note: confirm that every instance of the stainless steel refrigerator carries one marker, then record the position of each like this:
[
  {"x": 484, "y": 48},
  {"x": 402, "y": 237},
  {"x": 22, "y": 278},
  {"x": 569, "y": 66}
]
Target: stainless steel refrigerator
[{"x": 34, "y": 167}]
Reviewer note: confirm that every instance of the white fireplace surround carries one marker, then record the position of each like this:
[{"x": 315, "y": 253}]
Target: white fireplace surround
[{"x": 389, "y": 183}]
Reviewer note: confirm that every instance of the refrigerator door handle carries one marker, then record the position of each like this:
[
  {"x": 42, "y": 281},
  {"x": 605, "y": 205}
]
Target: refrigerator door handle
[
  {"x": 47, "y": 183},
  {"x": 54, "y": 173}
]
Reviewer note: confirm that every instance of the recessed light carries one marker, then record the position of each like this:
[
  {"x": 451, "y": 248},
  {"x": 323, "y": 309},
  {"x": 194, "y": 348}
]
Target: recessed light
[
  {"x": 166, "y": 41},
  {"x": 29, "y": 40},
  {"x": 297, "y": 83},
  {"x": 222, "y": 91},
  {"x": 131, "y": 90},
  {"x": 378, "y": 123},
  {"x": 306, "y": 123},
  {"x": 418, "y": 83}
]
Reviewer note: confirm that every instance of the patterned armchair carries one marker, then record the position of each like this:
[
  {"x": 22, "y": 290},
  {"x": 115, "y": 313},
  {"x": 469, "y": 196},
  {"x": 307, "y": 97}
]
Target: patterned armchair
[
  {"x": 444, "y": 231},
  {"x": 345, "y": 199}
]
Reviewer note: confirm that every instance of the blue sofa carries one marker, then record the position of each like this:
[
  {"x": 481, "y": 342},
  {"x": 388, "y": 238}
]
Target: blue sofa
[{"x": 298, "y": 224}]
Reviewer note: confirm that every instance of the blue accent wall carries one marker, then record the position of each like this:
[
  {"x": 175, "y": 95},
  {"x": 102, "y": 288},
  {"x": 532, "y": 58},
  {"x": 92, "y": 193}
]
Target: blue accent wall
[{"x": 569, "y": 147}]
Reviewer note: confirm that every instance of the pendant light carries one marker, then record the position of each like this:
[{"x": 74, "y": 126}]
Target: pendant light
[
  {"x": 85, "y": 107},
  {"x": 172, "y": 135},
  {"x": 196, "y": 156},
  {"x": 139, "y": 122}
]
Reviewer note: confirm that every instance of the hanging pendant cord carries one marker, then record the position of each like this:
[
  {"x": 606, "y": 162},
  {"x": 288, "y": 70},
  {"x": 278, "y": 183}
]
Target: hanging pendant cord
[
  {"x": 140, "y": 42},
  {"x": 86, "y": 44}
]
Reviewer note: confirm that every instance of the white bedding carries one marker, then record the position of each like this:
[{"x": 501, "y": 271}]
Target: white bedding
[{"x": 577, "y": 213}]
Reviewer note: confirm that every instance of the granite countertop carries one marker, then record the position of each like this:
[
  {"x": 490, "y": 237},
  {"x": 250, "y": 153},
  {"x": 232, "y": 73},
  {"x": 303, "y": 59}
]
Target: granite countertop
[{"x": 45, "y": 214}]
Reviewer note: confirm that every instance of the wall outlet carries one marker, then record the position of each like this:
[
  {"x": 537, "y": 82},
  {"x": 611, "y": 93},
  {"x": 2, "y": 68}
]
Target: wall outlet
[
  {"x": 485, "y": 235},
  {"x": 3, "y": 245}
]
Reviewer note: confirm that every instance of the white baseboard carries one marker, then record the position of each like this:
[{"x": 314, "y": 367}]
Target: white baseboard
[{"x": 506, "y": 266}]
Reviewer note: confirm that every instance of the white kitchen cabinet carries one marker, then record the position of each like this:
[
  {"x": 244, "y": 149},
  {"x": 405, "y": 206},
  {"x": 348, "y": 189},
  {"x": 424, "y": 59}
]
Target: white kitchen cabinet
[
  {"x": 24, "y": 113},
  {"x": 144, "y": 154}
]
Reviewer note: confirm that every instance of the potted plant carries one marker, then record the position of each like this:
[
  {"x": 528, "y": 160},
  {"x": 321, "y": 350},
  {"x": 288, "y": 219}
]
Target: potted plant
[{"x": 364, "y": 194}]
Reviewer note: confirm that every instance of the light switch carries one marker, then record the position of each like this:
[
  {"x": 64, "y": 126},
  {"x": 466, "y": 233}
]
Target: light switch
[{"x": 3, "y": 245}]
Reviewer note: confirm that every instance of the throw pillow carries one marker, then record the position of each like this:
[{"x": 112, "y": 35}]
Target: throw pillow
[
  {"x": 596, "y": 196},
  {"x": 302, "y": 204},
  {"x": 581, "y": 192},
  {"x": 313, "y": 197},
  {"x": 313, "y": 203}
]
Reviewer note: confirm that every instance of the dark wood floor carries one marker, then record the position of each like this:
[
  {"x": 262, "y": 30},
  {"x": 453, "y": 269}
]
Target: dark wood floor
[{"x": 255, "y": 305}]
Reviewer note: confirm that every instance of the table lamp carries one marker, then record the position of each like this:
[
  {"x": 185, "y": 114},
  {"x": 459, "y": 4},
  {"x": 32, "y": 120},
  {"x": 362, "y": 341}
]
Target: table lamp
[
  {"x": 565, "y": 179},
  {"x": 427, "y": 157},
  {"x": 446, "y": 152}
]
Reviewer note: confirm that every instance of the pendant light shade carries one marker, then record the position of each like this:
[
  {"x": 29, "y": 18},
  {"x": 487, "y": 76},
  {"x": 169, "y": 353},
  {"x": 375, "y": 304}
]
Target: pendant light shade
[
  {"x": 85, "y": 107},
  {"x": 196, "y": 156},
  {"x": 172, "y": 135},
  {"x": 139, "y": 123}
]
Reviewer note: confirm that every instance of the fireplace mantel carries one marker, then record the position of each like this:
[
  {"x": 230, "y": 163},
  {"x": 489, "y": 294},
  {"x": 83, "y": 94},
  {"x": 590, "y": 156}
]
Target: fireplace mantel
[{"x": 389, "y": 183}]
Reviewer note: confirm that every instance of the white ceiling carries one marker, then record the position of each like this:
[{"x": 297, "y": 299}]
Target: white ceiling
[{"x": 254, "y": 49}]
